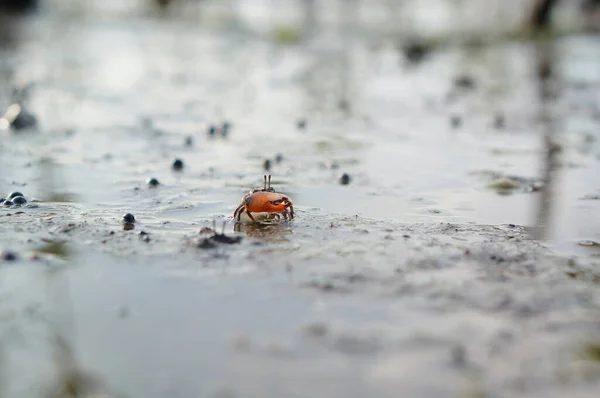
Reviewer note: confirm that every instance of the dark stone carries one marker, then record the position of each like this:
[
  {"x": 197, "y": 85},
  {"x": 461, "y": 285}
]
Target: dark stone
[
  {"x": 178, "y": 164},
  {"x": 458, "y": 355},
  {"x": 2, "y": 200},
  {"x": 128, "y": 218},
  {"x": 216, "y": 238},
  {"x": 279, "y": 158},
  {"x": 206, "y": 243},
  {"x": 18, "y": 6},
  {"x": 344, "y": 105},
  {"x": 465, "y": 82},
  {"x": 19, "y": 200},
  {"x": 415, "y": 50},
  {"x": 499, "y": 121},
  {"x": 267, "y": 165},
  {"x": 225, "y": 129},
  {"x": 345, "y": 179},
  {"x": 512, "y": 226},
  {"x": 8, "y": 256},
  {"x": 189, "y": 141},
  {"x": 8, "y": 203},
  {"x": 301, "y": 124},
  {"x": 229, "y": 240},
  {"x": 455, "y": 121},
  {"x": 212, "y": 130},
  {"x": 15, "y": 194},
  {"x": 153, "y": 182}
]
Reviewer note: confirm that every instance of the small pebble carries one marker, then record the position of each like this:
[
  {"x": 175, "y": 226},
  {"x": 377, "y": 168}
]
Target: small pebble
[
  {"x": 415, "y": 50},
  {"x": 544, "y": 71},
  {"x": 455, "y": 121},
  {"x": 19, "y": 200},
  {"x": 2, "y": 200},
  {"x": 8, "y": 203},
  {"x": 225, "y": 129},
  {"x": 128, "y": 226},
  {"x": 189, "y": 141},
  {"x": 317, "y": 329},
  {"x": 212, "y": 130},
  {"x": 153, "y": 182},
  {"x": 458, "y": 355},
  {"x": 345, "y": 179},
  {"x": 512, "y": 226},
  {"x": 344, "y": 105},
  {"x": 128, "y": 218},
  {"x": 465, "y": 82},
  {"x": 301, "y": 124},
  {"x": 267, "y": 165},
  {"x": 8, "y": 256},
  {"x": 499, "y": 122},
  {"x": 14, "y": 194},
  {"x": 279, "y": 158},
  {"x": 178, "y": 164}
]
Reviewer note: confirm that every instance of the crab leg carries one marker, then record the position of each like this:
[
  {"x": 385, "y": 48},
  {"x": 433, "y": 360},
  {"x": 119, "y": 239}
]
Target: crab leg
[
  {"x": 291, "y": 208},
  {"x": 250, "y": 215},
  {"x": 238, "y": 212}
]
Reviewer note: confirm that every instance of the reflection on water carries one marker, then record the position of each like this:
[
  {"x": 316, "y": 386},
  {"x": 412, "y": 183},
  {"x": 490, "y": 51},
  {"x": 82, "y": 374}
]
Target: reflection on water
[
  {"x": 270, "y": 233},
  {"x": 550, "y": 146}
]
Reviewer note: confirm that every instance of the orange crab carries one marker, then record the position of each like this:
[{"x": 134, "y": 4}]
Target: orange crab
[{"x": 264, "y": 205}]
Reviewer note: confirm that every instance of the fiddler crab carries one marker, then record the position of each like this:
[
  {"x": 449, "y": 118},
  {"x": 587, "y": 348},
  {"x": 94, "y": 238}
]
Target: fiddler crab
[{"x": 264, "y": 206}]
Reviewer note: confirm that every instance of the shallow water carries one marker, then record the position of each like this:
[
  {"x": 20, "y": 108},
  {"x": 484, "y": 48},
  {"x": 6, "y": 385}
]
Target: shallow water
[{"x": 410, "y": 270}]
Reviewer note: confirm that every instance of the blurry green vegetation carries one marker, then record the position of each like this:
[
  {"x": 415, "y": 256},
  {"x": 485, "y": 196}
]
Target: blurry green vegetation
[
  {"x": 162, "y": 3},
  {"x": 287, "y": 34},
  {"x": 591, "y": 350},
  {"x": 504, "y": 184},
  {"x": 55, "y": 247},
  {"x": 60, "y": 197}
]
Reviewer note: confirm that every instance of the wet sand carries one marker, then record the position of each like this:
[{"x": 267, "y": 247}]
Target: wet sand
[{"x": 415, "y": 279}]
